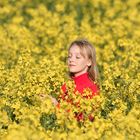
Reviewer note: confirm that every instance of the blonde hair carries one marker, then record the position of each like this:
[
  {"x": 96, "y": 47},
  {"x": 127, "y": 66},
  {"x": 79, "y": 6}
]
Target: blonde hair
[{"x": 83, "y": 44}]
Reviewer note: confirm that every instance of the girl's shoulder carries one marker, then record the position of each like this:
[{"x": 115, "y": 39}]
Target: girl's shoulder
[
  {"x": 95, "y": 88},
  {"x": 63, "y": 87},
  {"x": 68, "y": 83}
]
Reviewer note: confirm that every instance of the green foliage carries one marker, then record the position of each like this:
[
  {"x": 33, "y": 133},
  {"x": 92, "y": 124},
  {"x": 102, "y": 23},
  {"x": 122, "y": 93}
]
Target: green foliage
[{"x": 48, "y": 121}]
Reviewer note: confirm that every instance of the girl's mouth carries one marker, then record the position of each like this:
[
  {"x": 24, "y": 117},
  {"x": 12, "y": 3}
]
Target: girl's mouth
[{"x": 71, "y": 65}]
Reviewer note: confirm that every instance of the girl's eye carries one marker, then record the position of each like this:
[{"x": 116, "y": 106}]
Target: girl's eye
[{"x": 78, "y": 57}]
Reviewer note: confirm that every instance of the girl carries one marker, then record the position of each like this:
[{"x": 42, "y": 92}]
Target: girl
[
  {"x": 82, "y": 67},
  {"x": 82, "y": 70}
]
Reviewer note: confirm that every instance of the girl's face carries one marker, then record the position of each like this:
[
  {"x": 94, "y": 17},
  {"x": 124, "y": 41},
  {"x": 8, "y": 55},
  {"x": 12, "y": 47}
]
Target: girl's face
[{"x": 77, "y": 63}]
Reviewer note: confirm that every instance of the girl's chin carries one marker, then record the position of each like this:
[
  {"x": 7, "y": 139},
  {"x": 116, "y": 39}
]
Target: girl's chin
[{"x": 73, "y": 71}]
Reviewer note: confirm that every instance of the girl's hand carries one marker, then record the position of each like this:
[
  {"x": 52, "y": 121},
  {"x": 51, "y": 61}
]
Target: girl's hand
[
  {"x": 43, "y": 96},
  {"x": 54, "y": 101}
]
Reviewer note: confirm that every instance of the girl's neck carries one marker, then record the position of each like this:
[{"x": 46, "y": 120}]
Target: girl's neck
[{"x": 78, "y": 74}]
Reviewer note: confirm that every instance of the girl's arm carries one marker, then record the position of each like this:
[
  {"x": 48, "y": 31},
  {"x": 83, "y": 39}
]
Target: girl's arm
[
  {"x": 44, "y": 96},
  {"x": 54, "y": 101}
]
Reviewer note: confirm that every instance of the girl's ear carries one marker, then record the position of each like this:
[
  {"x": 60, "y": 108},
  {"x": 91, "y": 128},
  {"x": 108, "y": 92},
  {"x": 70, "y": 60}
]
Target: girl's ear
[{"x": 89, "y": 63}]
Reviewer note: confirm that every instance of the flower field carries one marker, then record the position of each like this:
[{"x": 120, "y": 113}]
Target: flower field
[{"x": 34, "y": 38}]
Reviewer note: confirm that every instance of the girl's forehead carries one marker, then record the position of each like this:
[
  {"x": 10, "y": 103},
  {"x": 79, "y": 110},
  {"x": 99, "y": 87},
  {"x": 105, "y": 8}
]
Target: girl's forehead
[
  {"x": 74, "y": 49},
  {"x": 77, "y": 50}
]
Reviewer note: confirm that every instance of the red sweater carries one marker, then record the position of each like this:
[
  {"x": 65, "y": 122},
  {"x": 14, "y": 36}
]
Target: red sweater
[{"x": 82, "y": 82}]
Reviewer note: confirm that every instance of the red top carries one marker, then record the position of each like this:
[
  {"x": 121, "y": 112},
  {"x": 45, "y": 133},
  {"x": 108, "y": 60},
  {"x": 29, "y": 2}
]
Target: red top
[{"x": 82, "y": 82}]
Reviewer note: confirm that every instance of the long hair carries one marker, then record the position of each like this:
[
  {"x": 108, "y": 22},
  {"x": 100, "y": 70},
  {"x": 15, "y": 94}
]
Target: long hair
[{"x": 83, "y": 44}]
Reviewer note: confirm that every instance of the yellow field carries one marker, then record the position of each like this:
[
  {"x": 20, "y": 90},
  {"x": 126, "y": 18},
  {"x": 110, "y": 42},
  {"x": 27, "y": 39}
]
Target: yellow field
[{"x": 34, "y": 38}]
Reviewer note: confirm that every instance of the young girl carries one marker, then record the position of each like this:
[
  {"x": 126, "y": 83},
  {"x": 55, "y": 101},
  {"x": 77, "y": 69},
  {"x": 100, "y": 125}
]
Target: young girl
[
  {"x": 82, "y": 67},
  {"x": 82, "y": 70}
]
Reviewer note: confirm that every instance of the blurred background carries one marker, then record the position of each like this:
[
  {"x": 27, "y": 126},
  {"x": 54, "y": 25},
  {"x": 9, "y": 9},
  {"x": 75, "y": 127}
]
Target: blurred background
[{"x": 34, "y": 38}]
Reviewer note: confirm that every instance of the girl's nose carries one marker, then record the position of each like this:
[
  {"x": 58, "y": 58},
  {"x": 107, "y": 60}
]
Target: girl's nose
[{"x": 71, "y": 59}]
